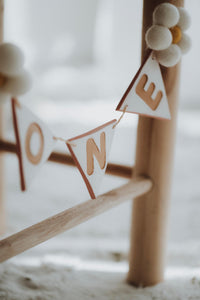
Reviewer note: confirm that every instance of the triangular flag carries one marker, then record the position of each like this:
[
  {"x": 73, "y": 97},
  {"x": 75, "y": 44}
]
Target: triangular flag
[
  {"x": 146, "y": 93},
  {"x": 34, "y": 140},
  {"x": 90, "y": 152}
]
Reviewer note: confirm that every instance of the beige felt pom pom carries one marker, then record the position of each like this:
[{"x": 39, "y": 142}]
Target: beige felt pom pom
[
  {"x": 18, "y": 85},
  {"x": 158, "y": 37},
  {"x": 169, "y": 57},
  {"x": 185, "y": 43},
  {"x": 185, "y": 19},
  {"x": 11, "y": 59},
  {"x": 4, "y": 97},
  {"x": 166, "y": 14}
]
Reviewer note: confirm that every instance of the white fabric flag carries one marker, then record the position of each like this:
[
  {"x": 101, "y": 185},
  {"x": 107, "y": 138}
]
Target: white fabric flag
[
  {"x": 90, "y": 152},
  {"x": 146, "y": 93},
  {"x": 34, "y": 140}
]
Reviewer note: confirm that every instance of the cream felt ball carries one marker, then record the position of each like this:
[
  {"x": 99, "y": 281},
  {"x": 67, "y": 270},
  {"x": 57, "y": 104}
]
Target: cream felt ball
[
  {"x": 185, "y": 19},
  {"x": 158, "y": 37},
  {"x": 185, "y": 43},
  {"x": 18, "y": 85},
  {"x": 4, "y": 97},
  {"x": 169, "y": 57},
  {"x": 166, "y": 14},
  {"x": 11, "y": 59}
]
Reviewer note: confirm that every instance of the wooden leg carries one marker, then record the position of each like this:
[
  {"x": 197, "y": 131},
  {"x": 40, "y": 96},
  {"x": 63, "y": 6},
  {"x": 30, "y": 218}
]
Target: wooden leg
[
  {"x": 154, "y": 158},
  {"x": 2, "y": 211}
]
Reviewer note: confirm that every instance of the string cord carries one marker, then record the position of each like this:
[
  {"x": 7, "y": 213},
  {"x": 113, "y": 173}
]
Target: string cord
[
  {"x": 74, "y": 145},
  {"x": 120, "y": 118},
  {"x": 64, "y": 140}
]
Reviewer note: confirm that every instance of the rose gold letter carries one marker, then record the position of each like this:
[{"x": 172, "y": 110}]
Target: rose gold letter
[
  {"x": 34, "y": 159},
  {"x": 92, "y": 150},
  {"x": 146, "y": 96}
]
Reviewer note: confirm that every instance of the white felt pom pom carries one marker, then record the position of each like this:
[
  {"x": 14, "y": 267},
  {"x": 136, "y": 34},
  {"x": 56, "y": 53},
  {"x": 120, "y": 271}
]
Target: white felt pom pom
[
  {"x": 4, "y": 97},
  {"x": 166, "y": 14},
  {"x": 169, "y": 57},
  {"x": 158, "y": 37},
  {"x": 18, "y": 85},
  {"x": 185, "y": 43},
  {"x": 11, "y": 59},
  {"x": 185, "y": 19}
]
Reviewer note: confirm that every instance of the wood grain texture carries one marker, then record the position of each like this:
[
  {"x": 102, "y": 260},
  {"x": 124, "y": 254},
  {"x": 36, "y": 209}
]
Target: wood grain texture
[
  {"x": 2, "y": 174},
  {"x": 71, "y": 217},
  {"x": 154, "y": 158},
  {"x": 64, "y": 158}
]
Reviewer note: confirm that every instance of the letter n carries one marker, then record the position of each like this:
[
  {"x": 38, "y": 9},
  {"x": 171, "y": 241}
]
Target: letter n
[{"x": 92, "y": 150}]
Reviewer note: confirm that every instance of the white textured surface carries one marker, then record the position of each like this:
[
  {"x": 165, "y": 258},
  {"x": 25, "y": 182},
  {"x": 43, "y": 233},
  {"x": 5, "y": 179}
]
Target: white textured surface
[{"x": 52, "y": 281}]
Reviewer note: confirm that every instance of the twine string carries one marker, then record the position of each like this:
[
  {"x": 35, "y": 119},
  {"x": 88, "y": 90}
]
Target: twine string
[
  {"x": 120, "y": 118},
  {"x": 64, "y": 140},
  {"x": 154, "y": 55},
  {"x": 74, "y": 145}
]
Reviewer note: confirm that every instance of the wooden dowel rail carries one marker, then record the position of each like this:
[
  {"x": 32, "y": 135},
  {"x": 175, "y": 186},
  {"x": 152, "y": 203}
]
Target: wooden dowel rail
[
  {"x": 64, "y": 158},
  {"x": 42, "y": 231}
]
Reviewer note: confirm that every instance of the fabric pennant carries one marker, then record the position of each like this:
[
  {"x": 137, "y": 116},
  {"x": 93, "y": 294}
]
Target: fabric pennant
[
  {"x": 34, "y": 140},
  {"x": 146, "y": 93},
  {"x": 90, "y": 152}
]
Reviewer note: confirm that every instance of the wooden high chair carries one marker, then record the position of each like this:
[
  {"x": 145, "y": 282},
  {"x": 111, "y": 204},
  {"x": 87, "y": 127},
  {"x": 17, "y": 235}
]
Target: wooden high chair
[{"x": 149, "y": 185}]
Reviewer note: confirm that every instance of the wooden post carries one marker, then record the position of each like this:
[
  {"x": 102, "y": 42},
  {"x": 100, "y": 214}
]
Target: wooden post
[
  {"x": 154, "y": 158},
  {"x": 2, "y": 175}
]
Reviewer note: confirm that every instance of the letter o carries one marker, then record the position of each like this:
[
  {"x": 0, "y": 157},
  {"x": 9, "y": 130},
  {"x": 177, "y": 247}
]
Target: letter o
[{"x": 34, "y": 128}]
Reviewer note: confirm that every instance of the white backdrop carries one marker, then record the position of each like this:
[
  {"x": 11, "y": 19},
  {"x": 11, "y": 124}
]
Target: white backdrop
[{"x": 105, "y": 33}]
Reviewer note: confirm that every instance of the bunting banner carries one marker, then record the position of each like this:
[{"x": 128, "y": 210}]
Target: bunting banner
[
  {"x": 90, "y": 152},
  {"x": 146, "y": 93},
  {"x": 35, "y": 142}
]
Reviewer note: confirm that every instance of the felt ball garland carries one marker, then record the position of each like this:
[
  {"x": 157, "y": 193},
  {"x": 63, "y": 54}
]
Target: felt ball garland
[
  {"x": 14, "y": 80},
  {"x": 158, "y": 37},
  {"x": 166, "y": 15},
  {"x": 176, "y": 34},
  {"x": 166, "y": 36}
]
